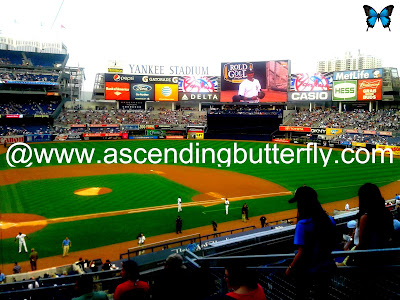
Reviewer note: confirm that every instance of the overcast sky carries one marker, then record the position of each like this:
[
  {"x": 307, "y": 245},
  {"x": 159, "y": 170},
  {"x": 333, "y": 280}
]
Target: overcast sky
[{"x": 204, "y": 32}]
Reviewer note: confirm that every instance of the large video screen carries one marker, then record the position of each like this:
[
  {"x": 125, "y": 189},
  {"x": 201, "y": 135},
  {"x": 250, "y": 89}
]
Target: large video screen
[{"x": 270, "y": 77}]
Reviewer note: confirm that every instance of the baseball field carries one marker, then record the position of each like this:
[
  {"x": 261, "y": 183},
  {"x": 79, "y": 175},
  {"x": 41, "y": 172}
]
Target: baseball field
[{"x": 102, "y": 204}]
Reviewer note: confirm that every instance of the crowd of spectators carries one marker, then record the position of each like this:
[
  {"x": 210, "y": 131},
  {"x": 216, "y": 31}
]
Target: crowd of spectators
[
  {"x": 242, "y": 111},
  {"x": 381, "y": 120},
  {"x": 25, "y": 76},
  {"x": 29, "y": 107},
  {"x": 119, "y": 116},
  {"x": 363, "y": 138},
  {"x": 5, "y": 61}
]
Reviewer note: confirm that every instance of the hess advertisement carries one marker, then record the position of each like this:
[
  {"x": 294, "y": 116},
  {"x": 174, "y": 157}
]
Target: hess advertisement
[
  {"x": 369, "y": 89},
  {"x": 262, "y": 81},
  {"x": 345, "y": 90},
  {"x": 199, "y": 88}
]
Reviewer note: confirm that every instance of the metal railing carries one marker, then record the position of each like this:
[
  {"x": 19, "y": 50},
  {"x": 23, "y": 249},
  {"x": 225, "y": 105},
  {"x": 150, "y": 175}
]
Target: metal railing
[{"x": 197, "y": 238}]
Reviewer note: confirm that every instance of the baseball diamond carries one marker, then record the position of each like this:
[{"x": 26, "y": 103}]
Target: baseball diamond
[{"x": 44, "y": 200}]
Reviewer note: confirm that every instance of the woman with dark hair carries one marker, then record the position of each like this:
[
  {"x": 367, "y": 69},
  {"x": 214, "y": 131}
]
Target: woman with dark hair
[
  {"x": 315, "y": 236},
  {"x": 243, "y": 283},
  {"x": 375, "y": 223}
]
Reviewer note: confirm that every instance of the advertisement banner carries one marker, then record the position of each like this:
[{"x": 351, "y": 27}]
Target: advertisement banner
[
  {"x": 117, "y": 91},
  {"x": 37, "y": 138},
  {"x": 368, "y": 132},
  {"x": 351, "y": 131},
  {"x": 333, "y": 131},
  {"x": 14, "y": 116},
  {"x": 370, "y": 89},
  {"x": 130, "y": 127},
  {"x": 345, "y": 143},
  {"x": 305, "y": 82},
  {"x": 310, "y": 96},
  {"x": 272, "y": 76},
  {"x": 103, "y": 125},
  {"x": 141, "y": 91},
  {"x": 318, "y": 130},
  {"x": 132, "y": 105},
  {"x": 199, "y": 84},
  {"x": 166, "y": 92},
  {"x": 11, "y": 139},
  {"x": 100, "y": 134},
  {"x": 281, "y": 141},
  {"x": 395, "y": 149},
  {"x": 61, "y": 137},
  {"x": 356, "y": 144},
  {"x": 199, "y": 96},
  {"x": 199, "y": 88},
  {"x": 195, "y": 134},
  {"x": 78, "y": 125},
  {"x": 385, "y": 133},
  {"x": 358, "y": 74},
  {"x": 174, "y": 137},
  {"x": 119, "y": 78},
  {"x": 345, "y": 90},
  {"x": 295, "y": 128}
]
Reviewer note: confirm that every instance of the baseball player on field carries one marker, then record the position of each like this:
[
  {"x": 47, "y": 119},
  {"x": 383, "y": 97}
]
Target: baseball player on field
[
  {"x": 179, "y": 204},
  {"x": 21, "y": 237},
  {"x": 226, "y": 206}
]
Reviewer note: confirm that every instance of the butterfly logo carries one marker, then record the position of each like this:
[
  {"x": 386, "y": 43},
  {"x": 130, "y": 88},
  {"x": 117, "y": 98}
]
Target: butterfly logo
[{"x": 384, "y": 15}]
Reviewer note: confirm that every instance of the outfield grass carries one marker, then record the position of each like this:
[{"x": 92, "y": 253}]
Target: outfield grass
[{"x": 54, "y": 197}]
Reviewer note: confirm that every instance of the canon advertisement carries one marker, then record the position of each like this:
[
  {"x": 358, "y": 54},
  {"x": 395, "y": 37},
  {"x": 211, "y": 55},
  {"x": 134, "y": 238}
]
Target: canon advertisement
[
  {"x": 243, "y": 81},
  {"x": 311, "y": 87},
  {"x": 199, "y": 88}
]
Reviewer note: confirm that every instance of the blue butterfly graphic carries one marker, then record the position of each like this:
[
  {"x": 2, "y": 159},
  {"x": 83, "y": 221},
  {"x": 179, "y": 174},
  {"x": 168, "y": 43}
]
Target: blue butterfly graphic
[{"x": 384, "y": 15}]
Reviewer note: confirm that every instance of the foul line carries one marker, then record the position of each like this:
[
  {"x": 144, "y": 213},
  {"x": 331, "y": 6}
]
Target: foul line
[{"x": 144, "y": 209}]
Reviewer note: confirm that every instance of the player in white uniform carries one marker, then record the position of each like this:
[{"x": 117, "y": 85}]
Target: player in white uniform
[
  {"x": 21, "y": 237},
  {"x": 141, "y": 239},
  {"x": 226, "y": 206},
  {"x": 248, "y": 89},
  {"x": 179, "y": 204}
]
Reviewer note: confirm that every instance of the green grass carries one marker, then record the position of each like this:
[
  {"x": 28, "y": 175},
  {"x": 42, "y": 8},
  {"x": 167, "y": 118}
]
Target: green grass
[{"x": 54, "y": 197}]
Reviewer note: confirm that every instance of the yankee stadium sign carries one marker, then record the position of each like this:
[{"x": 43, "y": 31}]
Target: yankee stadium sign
[{"x": 168, "y": 70}]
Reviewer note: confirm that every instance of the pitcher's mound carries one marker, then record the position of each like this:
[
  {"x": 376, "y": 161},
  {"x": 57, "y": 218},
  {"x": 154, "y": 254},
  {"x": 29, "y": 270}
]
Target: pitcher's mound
[{"x": 93, "y": 191}]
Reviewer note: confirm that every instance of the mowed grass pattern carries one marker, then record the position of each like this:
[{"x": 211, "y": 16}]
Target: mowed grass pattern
[{"x": 52, "y": 198}]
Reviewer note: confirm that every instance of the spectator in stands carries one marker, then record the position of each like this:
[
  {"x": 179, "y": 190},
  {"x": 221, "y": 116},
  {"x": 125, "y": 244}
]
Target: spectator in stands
[
  {"x": 315, "y": 239},
  {"x": 106, "y": 266},
  {"x": 2, "y": 277},
  {"x": 84, "y": 288},
  {"x": 175, "y": 281},
  {"x": 243, "y": 283},
  {"x": 132, "y": 288},
  {"x": 192, "y": 246},
  {"x": 375, "y": 223},
  {"x": 34, "y": 284},
  {"x": 78, "y": 266},
  {"x": 17, "y": 268}
]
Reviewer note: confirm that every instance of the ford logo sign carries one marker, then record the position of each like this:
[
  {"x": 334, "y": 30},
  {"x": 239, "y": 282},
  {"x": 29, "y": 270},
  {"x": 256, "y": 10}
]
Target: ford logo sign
[{"x": 142, "y": 88}]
